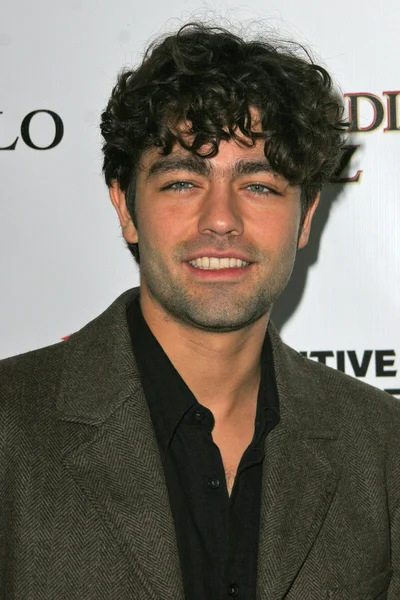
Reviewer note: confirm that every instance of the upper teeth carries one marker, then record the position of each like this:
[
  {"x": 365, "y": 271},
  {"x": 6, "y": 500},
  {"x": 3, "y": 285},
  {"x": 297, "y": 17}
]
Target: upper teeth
[{"x": 210, "y": 262}]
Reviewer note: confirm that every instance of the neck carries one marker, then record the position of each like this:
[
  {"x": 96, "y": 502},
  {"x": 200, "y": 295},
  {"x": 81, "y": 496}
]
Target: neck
[{"x": 221, "y": 369}]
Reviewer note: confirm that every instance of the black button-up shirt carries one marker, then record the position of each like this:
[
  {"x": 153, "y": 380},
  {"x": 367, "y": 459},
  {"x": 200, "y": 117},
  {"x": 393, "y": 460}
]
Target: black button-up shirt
[{"x": 217, "y": 534}]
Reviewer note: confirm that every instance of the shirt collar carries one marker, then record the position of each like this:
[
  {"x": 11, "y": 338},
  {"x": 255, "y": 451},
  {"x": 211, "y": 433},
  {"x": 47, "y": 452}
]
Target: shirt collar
[{"x": 168, "y": 396}]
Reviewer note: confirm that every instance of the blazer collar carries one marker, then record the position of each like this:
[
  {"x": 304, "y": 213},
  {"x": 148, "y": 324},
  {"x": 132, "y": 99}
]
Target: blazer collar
[
  {"x": 99, "y": 369},
  {"x": 100, "y": 372}
]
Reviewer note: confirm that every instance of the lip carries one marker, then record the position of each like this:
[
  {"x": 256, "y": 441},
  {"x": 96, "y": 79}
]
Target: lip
[
  {"x": 219, "y": 254},
  {"x": 232, "y": 273}
]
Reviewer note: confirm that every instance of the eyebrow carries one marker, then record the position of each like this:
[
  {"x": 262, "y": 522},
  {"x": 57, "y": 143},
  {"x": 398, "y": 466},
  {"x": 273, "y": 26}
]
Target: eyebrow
[
  {"x": 251, "y": 167},
  {"x": 202, "y": 166},
  {"x": 179, "y": 163}
]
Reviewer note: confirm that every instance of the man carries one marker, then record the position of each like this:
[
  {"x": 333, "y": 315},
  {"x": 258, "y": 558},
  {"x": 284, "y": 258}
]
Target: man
[{"x": 175, "y": 448}]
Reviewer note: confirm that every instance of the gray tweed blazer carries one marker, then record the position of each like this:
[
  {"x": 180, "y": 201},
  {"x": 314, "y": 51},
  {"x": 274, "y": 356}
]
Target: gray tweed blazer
[{"x": 84, "y": 511}]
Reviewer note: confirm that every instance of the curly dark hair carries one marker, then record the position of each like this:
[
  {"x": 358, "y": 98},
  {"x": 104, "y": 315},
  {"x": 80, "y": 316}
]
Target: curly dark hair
[{"x": 211, "y": 78}]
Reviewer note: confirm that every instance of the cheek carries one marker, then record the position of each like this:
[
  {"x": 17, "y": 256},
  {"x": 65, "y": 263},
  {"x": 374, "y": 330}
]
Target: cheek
[
  {"x": 279, "y": 230},
  {"x": 160, "y": 233},
  {"x": 172, "y": 226}
]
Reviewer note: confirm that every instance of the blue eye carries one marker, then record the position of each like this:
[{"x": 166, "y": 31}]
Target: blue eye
[
  {"x": 258, "y": 188},
  {"x": 179, "y": 186}
]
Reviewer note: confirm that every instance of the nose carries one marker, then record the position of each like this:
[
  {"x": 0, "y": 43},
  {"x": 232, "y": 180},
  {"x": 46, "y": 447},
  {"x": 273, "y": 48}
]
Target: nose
[{"x": 220, "y": 212}]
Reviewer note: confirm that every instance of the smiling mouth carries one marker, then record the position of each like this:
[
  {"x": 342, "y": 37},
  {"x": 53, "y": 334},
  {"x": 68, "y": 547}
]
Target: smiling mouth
[{"x": 212, "y": 263}]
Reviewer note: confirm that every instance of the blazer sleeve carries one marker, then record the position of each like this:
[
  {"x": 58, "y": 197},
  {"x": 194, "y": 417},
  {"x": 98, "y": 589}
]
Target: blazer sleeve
[{"x": 393, "y": 492}]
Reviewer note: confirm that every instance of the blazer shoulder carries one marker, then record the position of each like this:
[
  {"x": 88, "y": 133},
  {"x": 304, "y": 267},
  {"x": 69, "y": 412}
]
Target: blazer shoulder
[
  {"x": 343, "y": 393},
  {"x": 30, "y": 377}
]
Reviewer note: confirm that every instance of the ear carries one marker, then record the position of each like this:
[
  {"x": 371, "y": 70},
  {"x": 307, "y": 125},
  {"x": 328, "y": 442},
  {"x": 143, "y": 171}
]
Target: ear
[
  {"x": 118, "y": 199},
  {"x": 306, "y": 225}
]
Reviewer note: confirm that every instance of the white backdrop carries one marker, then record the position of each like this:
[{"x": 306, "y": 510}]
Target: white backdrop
[{"x": 62, "y": 258}]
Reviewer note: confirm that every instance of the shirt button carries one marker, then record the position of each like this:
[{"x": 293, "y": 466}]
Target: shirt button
[
  {"x": 233, "y": 589},
  {"x": 213, "y": 483},
  {"x": 198, "y": 416}
]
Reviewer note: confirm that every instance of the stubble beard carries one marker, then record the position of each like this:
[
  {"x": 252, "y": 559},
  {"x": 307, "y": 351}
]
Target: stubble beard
[{"x": 218, "y": 307}]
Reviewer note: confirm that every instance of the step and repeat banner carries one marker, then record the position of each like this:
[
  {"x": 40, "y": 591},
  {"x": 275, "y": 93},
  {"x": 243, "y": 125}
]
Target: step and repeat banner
[{"x": 62, "y": 257}]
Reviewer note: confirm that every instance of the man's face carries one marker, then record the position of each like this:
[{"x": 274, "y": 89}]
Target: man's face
[{"x": 217, "y": 237}]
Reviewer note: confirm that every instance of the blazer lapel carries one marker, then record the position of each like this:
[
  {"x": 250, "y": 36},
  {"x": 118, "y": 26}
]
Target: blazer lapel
[
  {"x": 300, "y": 475},
  {"x": 112, "y": 453},
  {"x": 116, "y": 459}
]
